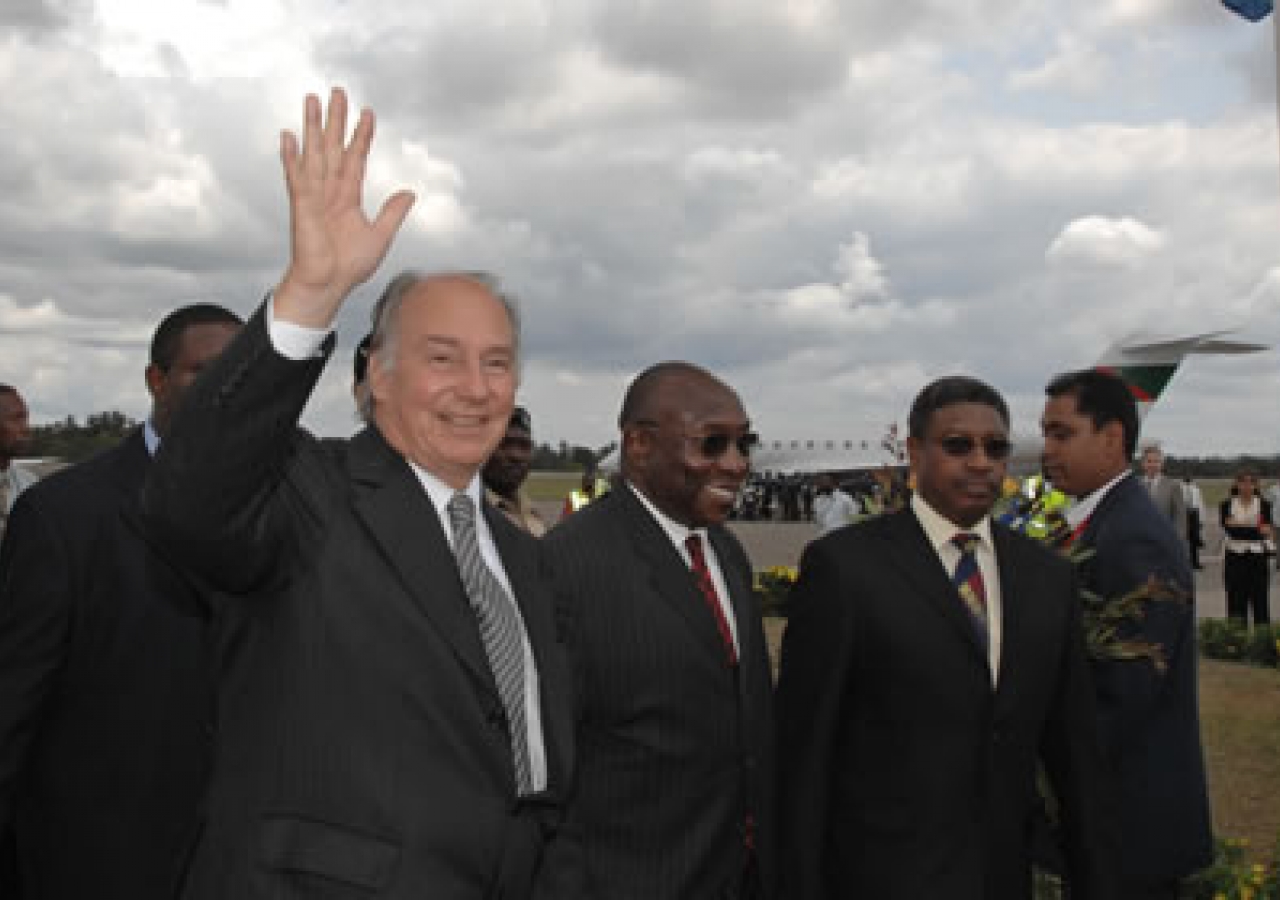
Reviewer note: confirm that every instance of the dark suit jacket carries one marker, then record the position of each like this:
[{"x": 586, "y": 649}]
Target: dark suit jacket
[
  {"x": 903, "y": 773},
  {"x": 106, "y": 690},
  {"x": 674, "y": 746},
  {"x": 1149, "y": 722},
  {"x": 362, "y": 745}
]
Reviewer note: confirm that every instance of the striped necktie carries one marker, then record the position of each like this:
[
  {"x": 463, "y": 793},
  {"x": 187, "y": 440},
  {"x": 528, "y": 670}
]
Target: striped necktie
[
  {"x": 501, "y": 630},
  {"x": 968, "y": 581}
]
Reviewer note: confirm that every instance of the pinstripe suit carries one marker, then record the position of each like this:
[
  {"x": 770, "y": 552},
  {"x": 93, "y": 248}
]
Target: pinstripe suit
[
  {"x": 674, "y": 745},
  {"x": 362, "y": 748}
]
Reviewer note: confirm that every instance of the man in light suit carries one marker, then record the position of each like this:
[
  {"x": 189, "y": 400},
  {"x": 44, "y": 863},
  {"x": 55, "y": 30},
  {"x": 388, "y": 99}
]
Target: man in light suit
[
  {"x": 673, "y": 796},
  {"x": 1166, "y": 493},
  {"x": 931, "y": 658},
  {"x": 106, "y": 674},
  {"x": 1148, "y": 720},
  {"x": 393, "y": 712}
]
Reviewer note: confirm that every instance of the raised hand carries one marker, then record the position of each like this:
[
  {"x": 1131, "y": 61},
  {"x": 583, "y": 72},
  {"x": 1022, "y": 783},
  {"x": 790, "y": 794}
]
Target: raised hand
[{"x": 334, "y": 245}]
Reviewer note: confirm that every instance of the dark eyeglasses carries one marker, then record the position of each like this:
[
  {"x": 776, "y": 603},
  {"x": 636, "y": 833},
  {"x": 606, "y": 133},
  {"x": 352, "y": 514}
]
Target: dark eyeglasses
[
  {"x": 716, "y": 444},
  {"x": 961, "y": 445}
]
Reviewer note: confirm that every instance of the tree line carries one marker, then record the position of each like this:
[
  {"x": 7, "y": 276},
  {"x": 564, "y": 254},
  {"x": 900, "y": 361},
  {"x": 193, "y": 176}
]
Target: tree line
[{"x": 73, "y": 441}]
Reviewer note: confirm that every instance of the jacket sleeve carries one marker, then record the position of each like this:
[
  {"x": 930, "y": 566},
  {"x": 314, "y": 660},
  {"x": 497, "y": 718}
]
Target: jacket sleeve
[
  {"x": 213, "y": 497},
  {"x": 816, "y": 655}
]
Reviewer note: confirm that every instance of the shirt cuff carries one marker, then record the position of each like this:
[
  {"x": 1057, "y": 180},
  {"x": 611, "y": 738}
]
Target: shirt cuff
[{"x": 297, "y": 342}]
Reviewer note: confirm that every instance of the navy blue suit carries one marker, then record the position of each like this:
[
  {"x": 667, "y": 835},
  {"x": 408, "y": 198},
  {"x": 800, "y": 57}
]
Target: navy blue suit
[{"x": 1149, "y": 721}]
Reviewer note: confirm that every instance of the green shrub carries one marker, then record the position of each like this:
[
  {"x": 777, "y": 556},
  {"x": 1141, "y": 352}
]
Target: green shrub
[
  {"x": 773, "y": 587},
  {"x": 1230, "y": 639},
  {"x": 1233, "y": 877}
]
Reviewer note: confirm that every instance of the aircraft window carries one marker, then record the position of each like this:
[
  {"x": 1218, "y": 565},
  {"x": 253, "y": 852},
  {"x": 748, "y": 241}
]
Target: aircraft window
[
  {"x": 848, "y": 445},
  {"x": 809, "y": 445},
  {"x": 795, "y": 445},
  {"x": 777, "y": 445},
  {"x": 831, "y": 445}
]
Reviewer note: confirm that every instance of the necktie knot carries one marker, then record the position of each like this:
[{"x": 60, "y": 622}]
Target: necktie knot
[
  {"x": 462, "y": 512},
  {"x": 966, "y": 542}
]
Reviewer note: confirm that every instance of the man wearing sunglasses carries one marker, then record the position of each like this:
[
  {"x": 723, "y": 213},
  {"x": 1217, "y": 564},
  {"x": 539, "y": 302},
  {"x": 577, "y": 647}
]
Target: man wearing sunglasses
[
  {"x": 931, "y": 659},
  {"x": 1148, "y": 719},
  {"x": 672, "y": 799}
]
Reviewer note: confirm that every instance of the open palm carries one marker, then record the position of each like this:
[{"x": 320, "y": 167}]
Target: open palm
[{"x": 335, "y": 246}]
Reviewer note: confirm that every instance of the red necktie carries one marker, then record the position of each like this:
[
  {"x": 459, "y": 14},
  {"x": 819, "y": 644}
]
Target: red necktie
[{"x": 708, "y": 587}]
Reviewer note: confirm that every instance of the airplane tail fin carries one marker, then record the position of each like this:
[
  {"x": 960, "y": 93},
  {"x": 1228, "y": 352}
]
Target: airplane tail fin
[{"x": 1148, "y": 365}]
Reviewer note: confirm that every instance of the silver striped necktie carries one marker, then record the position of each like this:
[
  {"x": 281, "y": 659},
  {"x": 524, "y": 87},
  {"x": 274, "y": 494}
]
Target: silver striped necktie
[{"x": 501, "y": 630}]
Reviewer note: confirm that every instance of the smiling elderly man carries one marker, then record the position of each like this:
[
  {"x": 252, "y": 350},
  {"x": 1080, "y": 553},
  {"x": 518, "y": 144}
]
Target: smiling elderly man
[
  {"x": 393, "y": 713},
  {"x": 673, "y": 799}
]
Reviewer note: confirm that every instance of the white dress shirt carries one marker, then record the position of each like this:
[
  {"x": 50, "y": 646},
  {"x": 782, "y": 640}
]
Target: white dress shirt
[
  {"x": 678, "y": 534},
  {"x": 300, "y": 342},
  {"x": 940, "y": 530}
]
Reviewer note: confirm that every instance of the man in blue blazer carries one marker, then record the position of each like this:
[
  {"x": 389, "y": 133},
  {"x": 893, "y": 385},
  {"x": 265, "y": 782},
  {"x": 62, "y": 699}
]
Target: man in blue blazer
[{"x": 1148, "y": 719}]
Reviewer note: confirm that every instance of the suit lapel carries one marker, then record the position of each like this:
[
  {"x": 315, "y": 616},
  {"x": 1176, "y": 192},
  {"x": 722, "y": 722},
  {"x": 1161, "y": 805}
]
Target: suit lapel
[
  {"x": 742, "y": 600},
  {"x": 910, "y": 550},
  {"x": 670, "y": 578},
  {"x": 399, "y": 515},
  {"x": 1013, "y": 593}
]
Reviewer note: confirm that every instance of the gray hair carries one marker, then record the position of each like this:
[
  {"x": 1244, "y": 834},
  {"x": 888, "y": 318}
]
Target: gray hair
[{"x": 385, "y": 317}]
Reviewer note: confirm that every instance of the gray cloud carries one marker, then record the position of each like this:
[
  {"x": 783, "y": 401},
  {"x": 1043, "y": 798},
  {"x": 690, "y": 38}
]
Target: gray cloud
[{"x": 827, "y": 202}]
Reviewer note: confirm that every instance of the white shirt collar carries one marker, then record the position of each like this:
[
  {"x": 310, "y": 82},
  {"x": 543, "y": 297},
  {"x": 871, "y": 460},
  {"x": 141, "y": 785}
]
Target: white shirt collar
[
  {"x": 441, "y": 493},
  {"x": 1083, "y": 507},
  {"x": 675, "y": 531},
  {"x": 940, "y": 530}
]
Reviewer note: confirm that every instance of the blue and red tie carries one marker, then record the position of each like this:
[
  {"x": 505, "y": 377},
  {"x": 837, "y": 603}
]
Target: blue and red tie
[{"x": 968, "y": 581}]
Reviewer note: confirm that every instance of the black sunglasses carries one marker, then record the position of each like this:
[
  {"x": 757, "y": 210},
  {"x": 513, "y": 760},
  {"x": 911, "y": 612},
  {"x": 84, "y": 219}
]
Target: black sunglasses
[
  {"x": 716, "y": 445},
  {"x": 960, "y": 445}
]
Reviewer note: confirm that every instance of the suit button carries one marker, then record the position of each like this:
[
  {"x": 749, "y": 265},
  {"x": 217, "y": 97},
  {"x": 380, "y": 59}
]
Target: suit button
[{"x": 497, "y": 719}]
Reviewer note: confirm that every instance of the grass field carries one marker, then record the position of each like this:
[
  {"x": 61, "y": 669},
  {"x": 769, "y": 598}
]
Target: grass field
[{"x": 1240, "y": 726}]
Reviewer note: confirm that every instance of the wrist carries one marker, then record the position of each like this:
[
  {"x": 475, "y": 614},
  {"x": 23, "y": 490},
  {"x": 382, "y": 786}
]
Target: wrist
[{"x": 309, "y": 306}]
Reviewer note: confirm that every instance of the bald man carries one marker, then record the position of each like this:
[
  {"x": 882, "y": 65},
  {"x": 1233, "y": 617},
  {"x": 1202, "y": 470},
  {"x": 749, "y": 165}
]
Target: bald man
[{"x": 673, "y": 799}]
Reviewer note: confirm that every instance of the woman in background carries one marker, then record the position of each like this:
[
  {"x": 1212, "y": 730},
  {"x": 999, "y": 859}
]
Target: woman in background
[{"x": 1246, "y": 519}]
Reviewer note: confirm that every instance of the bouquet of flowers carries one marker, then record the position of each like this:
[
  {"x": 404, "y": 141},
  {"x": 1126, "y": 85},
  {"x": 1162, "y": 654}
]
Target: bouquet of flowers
[{"x": 773, "y": 587}]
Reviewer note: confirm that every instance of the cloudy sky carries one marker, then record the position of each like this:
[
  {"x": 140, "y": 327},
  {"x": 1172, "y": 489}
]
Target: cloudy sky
[{"x": 828, "y": 202}]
